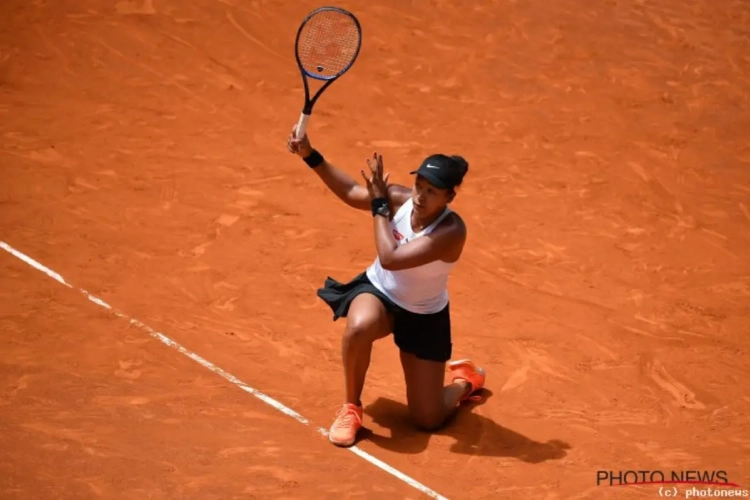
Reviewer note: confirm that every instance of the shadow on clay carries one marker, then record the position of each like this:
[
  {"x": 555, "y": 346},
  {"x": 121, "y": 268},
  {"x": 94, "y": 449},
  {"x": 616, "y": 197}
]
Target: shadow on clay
[{"x": 473, "y": 434}]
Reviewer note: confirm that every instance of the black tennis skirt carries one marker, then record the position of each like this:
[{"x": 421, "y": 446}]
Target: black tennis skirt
[{"x": 427, "y": 336}]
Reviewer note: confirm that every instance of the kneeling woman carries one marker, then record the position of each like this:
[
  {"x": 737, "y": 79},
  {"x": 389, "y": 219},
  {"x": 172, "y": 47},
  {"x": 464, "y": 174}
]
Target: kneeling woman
[{"x": 404, "y": 292}]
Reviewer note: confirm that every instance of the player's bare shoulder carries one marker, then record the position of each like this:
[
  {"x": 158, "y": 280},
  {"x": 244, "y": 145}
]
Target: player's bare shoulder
[
  {"x": 398, "y": 195},
  {"x": 455, "y": 224},
  {"x": 452, "y": 230}
]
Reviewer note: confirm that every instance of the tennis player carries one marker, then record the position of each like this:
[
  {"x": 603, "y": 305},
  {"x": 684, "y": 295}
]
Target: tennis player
[{"x": 418, "y": 239}]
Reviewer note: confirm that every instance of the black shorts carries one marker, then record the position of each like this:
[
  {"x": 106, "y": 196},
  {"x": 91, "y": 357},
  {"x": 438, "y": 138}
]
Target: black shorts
[{"x": 427, "y": 336}]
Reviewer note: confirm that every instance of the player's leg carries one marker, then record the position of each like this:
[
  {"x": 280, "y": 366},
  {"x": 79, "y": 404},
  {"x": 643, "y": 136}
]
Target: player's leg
[
  {"x": 431, "y": 402},
  {"x": 425, "y": 344},
  {"x": 367, "y": 321}
]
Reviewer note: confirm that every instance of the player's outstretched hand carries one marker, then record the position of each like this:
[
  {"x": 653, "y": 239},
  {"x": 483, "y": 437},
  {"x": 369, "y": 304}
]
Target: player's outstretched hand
[
  {"x": 376, "y": 182},
  {"x": 299, "y": 147}
]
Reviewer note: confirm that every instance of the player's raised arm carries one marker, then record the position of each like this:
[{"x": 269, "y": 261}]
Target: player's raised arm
[{"x": 338, "y": 181}]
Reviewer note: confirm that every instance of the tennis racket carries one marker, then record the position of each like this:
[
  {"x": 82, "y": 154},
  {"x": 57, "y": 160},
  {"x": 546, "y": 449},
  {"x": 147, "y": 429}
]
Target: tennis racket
[{"x": 327, "y": 44}]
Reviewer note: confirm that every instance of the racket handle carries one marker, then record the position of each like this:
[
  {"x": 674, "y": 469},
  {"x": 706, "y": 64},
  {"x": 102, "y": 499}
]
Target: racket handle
[{"x": 301, "y": 126}]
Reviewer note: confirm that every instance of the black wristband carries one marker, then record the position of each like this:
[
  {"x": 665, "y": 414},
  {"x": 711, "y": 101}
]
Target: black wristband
[
  {"x": 377, "y": 204},
  {"x": 314, "y": 160}
]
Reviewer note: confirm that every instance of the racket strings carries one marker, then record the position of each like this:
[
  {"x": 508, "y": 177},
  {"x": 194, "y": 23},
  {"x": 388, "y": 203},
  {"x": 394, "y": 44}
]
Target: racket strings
[{"x": 328, "y": 44}]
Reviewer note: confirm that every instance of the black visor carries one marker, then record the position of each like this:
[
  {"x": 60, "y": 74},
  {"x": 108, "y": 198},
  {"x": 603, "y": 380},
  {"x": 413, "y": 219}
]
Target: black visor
[{"x": 440, "y": 171}]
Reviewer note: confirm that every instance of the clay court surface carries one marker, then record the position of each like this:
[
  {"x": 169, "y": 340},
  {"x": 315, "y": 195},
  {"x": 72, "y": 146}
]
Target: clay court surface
[{"x": 605, "y": 286}]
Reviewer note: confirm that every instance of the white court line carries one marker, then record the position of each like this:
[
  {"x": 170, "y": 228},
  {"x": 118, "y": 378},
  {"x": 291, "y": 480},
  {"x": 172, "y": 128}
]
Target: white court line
[{"x": 228, "y": 376}]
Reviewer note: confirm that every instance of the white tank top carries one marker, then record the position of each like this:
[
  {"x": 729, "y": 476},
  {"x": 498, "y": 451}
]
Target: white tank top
[{"x": 423, "y": 289}]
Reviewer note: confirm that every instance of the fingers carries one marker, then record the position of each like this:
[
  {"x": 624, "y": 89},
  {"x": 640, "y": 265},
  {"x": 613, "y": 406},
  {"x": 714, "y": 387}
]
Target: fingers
[
  {"x": 294, "y": 143},
  {"x": 376, "y": 164},
  {"x": 293, "y": 135}
]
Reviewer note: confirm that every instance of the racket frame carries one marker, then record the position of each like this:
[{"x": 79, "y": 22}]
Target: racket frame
[{"x": 310, "y": 101}]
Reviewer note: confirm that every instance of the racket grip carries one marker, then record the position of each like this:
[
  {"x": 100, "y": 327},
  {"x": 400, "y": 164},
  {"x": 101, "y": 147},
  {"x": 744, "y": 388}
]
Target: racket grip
[{"x": 301, "y": 126}]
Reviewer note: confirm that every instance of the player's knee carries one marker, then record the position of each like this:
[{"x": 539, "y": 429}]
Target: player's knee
[
  {"x": 428, "y": 420},
  {"x": 367, "y": 320},
  {"x": 361, "y": 326},
  {"x": 428, "y": 423}
]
